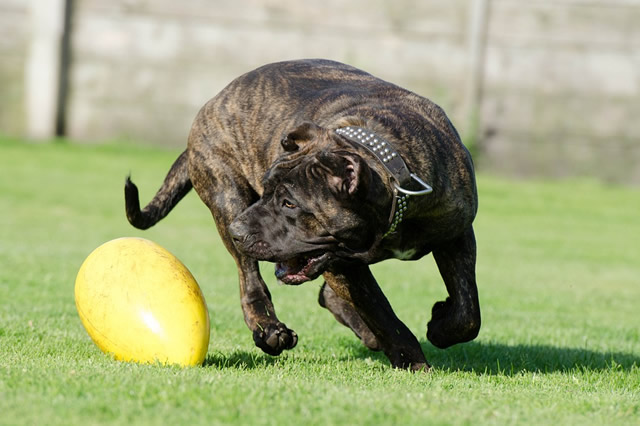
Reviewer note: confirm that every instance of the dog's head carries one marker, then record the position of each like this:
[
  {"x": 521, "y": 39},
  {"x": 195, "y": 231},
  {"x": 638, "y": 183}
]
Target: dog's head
[{"x": 321, "y": 202}]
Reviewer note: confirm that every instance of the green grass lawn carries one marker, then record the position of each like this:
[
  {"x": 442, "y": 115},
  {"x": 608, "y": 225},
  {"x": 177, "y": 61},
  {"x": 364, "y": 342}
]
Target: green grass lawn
[{"x": 558, "y": 273}]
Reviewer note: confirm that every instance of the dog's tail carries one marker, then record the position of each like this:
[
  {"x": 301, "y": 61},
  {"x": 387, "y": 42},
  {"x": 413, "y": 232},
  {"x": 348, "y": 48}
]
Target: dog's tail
[{"x": 175, "y": 186}]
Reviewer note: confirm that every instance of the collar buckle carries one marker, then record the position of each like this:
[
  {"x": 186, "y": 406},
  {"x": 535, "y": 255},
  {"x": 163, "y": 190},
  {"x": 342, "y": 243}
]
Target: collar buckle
[{"x": 394, "y": 164}]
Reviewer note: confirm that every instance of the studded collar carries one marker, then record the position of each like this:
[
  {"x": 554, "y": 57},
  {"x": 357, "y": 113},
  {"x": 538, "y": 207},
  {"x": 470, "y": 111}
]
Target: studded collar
[{"x": 394, "y": 164}]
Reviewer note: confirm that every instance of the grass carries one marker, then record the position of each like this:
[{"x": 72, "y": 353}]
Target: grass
[{"x": 558, "y": 270}]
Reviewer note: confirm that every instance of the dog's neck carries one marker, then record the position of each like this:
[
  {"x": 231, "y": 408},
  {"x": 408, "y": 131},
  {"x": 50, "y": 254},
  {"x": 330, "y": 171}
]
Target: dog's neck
[
  {"x": 381, "y": 148},
  {"x": 399, "y": 173}
]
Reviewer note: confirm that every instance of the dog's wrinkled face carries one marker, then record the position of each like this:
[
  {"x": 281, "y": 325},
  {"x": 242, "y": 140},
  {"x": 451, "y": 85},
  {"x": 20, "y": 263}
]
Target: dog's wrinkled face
[{"x": 315, "y": 208}]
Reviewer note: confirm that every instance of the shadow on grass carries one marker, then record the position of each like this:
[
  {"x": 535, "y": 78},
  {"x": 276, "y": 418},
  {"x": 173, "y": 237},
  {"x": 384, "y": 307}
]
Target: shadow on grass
[
  {"x": 502, "y": 359},
  {"x": 241, "y": 360},
  {"x": 477, "y": 357},
  {"x": 505, "y": 360}
]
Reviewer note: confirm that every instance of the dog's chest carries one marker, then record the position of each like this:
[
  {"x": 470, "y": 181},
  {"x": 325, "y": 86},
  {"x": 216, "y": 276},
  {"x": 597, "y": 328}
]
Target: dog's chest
[{"x": 410, "y": 245}]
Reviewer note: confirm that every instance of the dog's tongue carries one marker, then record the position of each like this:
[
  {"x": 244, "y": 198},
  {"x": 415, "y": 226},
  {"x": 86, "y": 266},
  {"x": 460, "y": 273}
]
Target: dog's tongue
[{"x": 290, "y": 272}]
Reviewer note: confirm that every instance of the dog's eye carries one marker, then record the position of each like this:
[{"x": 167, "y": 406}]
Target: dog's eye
[{"x": 288, "y": 204}]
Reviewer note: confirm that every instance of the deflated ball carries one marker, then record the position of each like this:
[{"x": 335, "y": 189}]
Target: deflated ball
[{"x": 139, "y": 303}]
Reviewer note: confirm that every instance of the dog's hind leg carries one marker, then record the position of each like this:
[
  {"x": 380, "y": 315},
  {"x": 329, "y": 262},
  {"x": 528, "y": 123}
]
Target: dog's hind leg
[
  {"x": 347, "y": 316},
  {"x": 457, "y": 319},
  {"x": 358, "y": 288}
]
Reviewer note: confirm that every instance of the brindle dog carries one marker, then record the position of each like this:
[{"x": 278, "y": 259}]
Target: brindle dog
[{"x": 324, "y": 169}]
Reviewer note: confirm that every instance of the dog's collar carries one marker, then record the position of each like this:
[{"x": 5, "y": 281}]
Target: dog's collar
[
  {"x": 382, "y": 149},
  {"x": 394, "y": 164}
]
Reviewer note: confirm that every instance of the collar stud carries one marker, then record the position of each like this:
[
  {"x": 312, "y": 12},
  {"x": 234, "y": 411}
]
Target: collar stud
[{"x": 394, "y": 164}]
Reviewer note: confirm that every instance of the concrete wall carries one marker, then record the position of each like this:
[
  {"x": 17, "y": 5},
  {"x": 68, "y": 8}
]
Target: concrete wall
[
  {"x": 14, "y": 47},
  {"x": 555, "y": 84},
  {"x": 143, "y": 69},
  {"x": 562, "y": 88}
]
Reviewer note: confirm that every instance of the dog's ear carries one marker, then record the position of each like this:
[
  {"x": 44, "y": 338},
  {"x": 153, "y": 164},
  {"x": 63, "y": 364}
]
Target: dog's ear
[
  {"x": 348, "y": 172},
  {"x": 301, "y": 135}
]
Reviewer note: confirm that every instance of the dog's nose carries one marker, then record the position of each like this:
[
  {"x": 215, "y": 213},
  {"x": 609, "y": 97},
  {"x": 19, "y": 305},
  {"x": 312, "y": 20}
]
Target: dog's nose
[{"x": 238, "y": 232}]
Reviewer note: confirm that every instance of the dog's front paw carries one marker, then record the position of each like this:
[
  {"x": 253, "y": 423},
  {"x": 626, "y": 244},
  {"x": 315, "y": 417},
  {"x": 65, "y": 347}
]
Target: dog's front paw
[
  {"x": 451, "y": 324},
  {"x": 275, "y": 338}
]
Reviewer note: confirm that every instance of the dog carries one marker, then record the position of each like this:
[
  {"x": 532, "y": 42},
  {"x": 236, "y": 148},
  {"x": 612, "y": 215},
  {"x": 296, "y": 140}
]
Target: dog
[{"x": 324, "y": 169}]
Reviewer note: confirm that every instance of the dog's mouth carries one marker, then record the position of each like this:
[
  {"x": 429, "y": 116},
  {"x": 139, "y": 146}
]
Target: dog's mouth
[{"x": 301, "y": 269}]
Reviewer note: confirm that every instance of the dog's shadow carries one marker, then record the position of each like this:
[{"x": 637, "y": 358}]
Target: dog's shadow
[
  {"x": 489, "y": 358},
  {"x": 483, "y": 358},
  {"x": 239, "y": 359}
]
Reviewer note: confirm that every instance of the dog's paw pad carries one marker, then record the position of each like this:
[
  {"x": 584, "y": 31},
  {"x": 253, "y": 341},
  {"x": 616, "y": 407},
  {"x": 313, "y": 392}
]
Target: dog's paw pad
[
  {"x": 449, "y": 326},
  {"x": 273, "y": 339}
]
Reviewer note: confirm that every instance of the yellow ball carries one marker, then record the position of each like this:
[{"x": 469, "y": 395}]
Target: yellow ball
[{"x": 139, "y": 303}]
